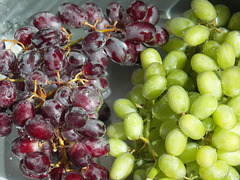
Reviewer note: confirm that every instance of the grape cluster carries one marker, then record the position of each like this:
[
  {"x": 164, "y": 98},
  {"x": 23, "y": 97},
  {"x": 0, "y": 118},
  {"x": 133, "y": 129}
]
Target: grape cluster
[
  {"x": 182, "y": 115},
  {"x": 53, "y": 91}
]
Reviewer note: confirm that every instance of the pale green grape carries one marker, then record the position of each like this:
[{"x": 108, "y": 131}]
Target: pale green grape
[
  {"x": 177, "y": 25},
  {"x": 210, "y": 49},
  {"x": 136, "y": 95},
  {"x": 234, "y": 103},
  {"x": 139, "y": 174},
  {"x": 174, "y": 43},
  {"x": 117, "y": 147},
  {"x": 233, "y": 38},
  {"x": 122, "y": 107},
  {"x": 116, "y": 130},
  {"x": 175, "y": 142},
  {"x": 133, "y": 125},
  {"x": 204, "y": 106},
  {"x": 191, "y": 126},
  {"x": 149, "y": 56},
  {"x": 137, "y": 76},
  {"x": 219, "y": 34},
  {"x": 190, "y": 15},
  {"x": 189, "y": 153},
  {"x": 154, "y": 87},
  {"x": 230, "y": 79},
  {"x": 154, "y": 127},
  {"x": 209, "y": 124},
  {"x": 209, "y": 83},
  {"x": 206, "y": 156},
  {"x": 122, "y": 166},
  {"x": 193, "y": 96},
  {"x": 204, "y": 10},
  {"x": 153, "y": 171},
  {"x": 192, "y": 170},
  {"x": 159, "y": 146},
  {"x": 232, "y": 158},
  {"x": 201, "y": 62},
  {"x": 196, "y": 35},
  {"x": 172, "y": 166},
  {"x": 224, "y": 117},
  {"x": 226, "y": 56},
  {"x": 166, "y": 127},
  {"x": 226, "y": 140},
  {"x": 236, "y": 129},
  {"x": 223, "y": 15},
  {"x": 177, "y": 77},
  {"x": 232, "y": 175},
  {"x": 190, "y": 85},
  {"x": 153, "y": 69},
  {"x": 178, "y": 99},
  {"x": 234, "y": 23},
  {"x": 217, "y": 171},
  {"x": 174, "y": 60}
]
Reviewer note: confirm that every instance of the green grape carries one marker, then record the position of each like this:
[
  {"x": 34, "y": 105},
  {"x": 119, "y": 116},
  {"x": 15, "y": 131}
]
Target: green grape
[
  {"x": 166, "y": 178},
  {"x": 234, "y": 23},
  {"x": 154, "y": 87},
  {"x": 178, "y": 99},
  {"x": 217, "y": 171},
  {"x": 153, "y": 129},
  {"x": 177, "y": 77},
  {"x": 149, "y": 56},
  {"x": 236, "y": 129},
  {"x": 232, "y": 175},
  {"x": 153, "y": 171},
  {"x": 192, "y": 170},
  {"x": 190, "y": 85},
  {"x": 166, "y": 127},
  {"x": 177, "y": 25},
  {"x": 189, "y": 153},
  {"x": 206, "y": 156},
  {"x": 174, "y": 60},
  {"x": 116, "y": 130},
  {"x": 226, "y": 56},
  {"x": 226, "y": 140},
  {"x": 209, "y": 124},
  {"x": 137, "y": 76},
  {"x": 122, "y": 166},
  {"x": 210, "y": 48},
  {"x": 234, "y": 103},
  {"x": 204, "y": 106},
  {"x": 153, "y": 69},
  {"x": 193, "y": 96},
  {"x": 230, "y": 79},
  {"x": 175, "y": 142},
  {"x": 233, "y": 38},
  {"x": 172, "y": 166},
  {"x": 196, "y": 35},
  {"x": 173, "y": 44},
  {"x": 122, "y": 107},
  {"x": 232, "y": 158},
  {"x": 219, "y": 34},
  {"x": 159, "y": 146},
  {"x": 191, "y": 126},
  {"x": 133, "y": 125},
  {"x": 224, "y": 117},
  {"x": 136, "y": 95},
  {"x": 117, "y": 147},
  {"x": 223, "y": 15},
  {"x": 139, "y": 174},
  {"x": 209, "y": 83},
  {"x": 190, "y": 15},
  {"x": 204, "y": 10}
]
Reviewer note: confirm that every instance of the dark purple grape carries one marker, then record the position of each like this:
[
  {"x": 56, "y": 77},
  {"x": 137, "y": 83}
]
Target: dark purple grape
[
  {"x": 140, "y": 32},
  {"x": 56, "y": 173},
  {"x": 39, "y": 128},
  {"x": 132, "y": 54},
  {"x": 7, "y": 61},
  {"x": 104, "y": 112},
  {"x": 22, "y": 111},
  {"x": 160, "y": 39},
  {"x": 153, "y": 14},
  {"x": 36, "y": 162},
  {"x": 96, "y": 147},
  {"x": 71, "y": 15},
  {"x": 77, "y": 59},
  {"x": 76, "y": 117},
  {"x": 29, "y": 61},
  {"x": 7, "y": 93},
  {"x": 45, "y": 37},
  {"x": 70, "y": 135},
  {"x": 95, "y": 171},
  {"x": 93, "y": 12},
  {"x": 99, "y": 57},
  {"x": 103, "y": 24},
  {"x": 72, "y": 175},
  {"x": 93, "y": 71},
  {"x": 137, "y": 11},
  {"x": 54, "y": 58},
  {"x": 5, "y": 124},
  {"x": 94, "y": 41},
  {"x": 2, "y": 45},
  {"x": 63, "y": 95},
  {"x": 54, "y": 111},
  {"x": 115, "y": 12},
  {"x": 47, "y": 19},
  {"x": 93, "y": 129},
  {"x": 79, "y": 155},
  {"x": 40, "y": 77},
  {"x": 25, "y": 34},
  {"x": 101, "y": 83}
]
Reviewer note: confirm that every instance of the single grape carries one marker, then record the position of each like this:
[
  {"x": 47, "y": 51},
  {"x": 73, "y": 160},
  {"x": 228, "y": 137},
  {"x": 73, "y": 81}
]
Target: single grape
[
  {"x": 206, "y": 156},
  {"x": 117, "y": 147},
  {"x": 189, "y": 153},
  {"x": 95, "y": 171},
  {"x": 37, "y": 76},
  {"x": 93, "y": 12},
  {"x": 71, "y": 135},
  {"x": 233, "y": 24},
  {"x": 8, "y": 93},
  {"x": 5, "y": 124},
  {"x": 7, "y": 61},
  {"x": 137, "y": 11},
  {"x": 223, "y": 15},
  {"x": 122, "y": 107},
  {"x": 115, "y": 12},
  {"x": 149, "y": 56},
  {"x": 25, "y": 34},
  {"x": 232, "y": 158},
  {"x": 72, "y": 175},
  {"x": 153, "y": 14},
  {"x": 116, "y": 130}
]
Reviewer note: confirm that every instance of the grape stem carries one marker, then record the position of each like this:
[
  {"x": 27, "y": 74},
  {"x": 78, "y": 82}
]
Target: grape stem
[{"x": 153, "y": 152}]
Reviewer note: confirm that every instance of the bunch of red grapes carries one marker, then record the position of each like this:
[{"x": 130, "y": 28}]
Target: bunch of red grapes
[{"x": 54, "y": 89}]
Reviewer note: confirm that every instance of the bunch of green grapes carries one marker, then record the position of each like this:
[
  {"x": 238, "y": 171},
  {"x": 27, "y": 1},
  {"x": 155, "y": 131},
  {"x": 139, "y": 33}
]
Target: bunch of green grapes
[{"x": 181, "y": 119}]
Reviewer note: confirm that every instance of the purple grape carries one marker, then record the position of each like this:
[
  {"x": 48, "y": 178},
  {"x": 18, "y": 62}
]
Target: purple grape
[
  {"x": 115, "y": 12},
  {"x": 7, "y": 61},
  {"x": 7, "y": 93},
  {"x": 63, "y": 95},
  {"x": 103, "y": 24},
  {"x": 5, "y": 124},
  {"x": 40, "y": 77},
  {"x": 71, "y": 135},
  {"x": 137, "y": 11},
  {"x": 101, "y": 83},
  {"x": 56, "y": 173},
  {"x": 95, "y": 171},
  {"x": 104, "y": 112},
  {"x": 77, "y": 59},
  {"x": 63, "y": 40},
  {"x": 93, "y": 71},
  {"x": 71, "y": 15},
  {"x": 93, "y": 12},
  {"x": 25, "y": 34},
  {"x": 153, "y": 14},
  {"x": 161, "y": 38},
  {"x": 72, "y": 175},
  {"x": 99, "y": 57},
  {"x": 132, "y": 54}
]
